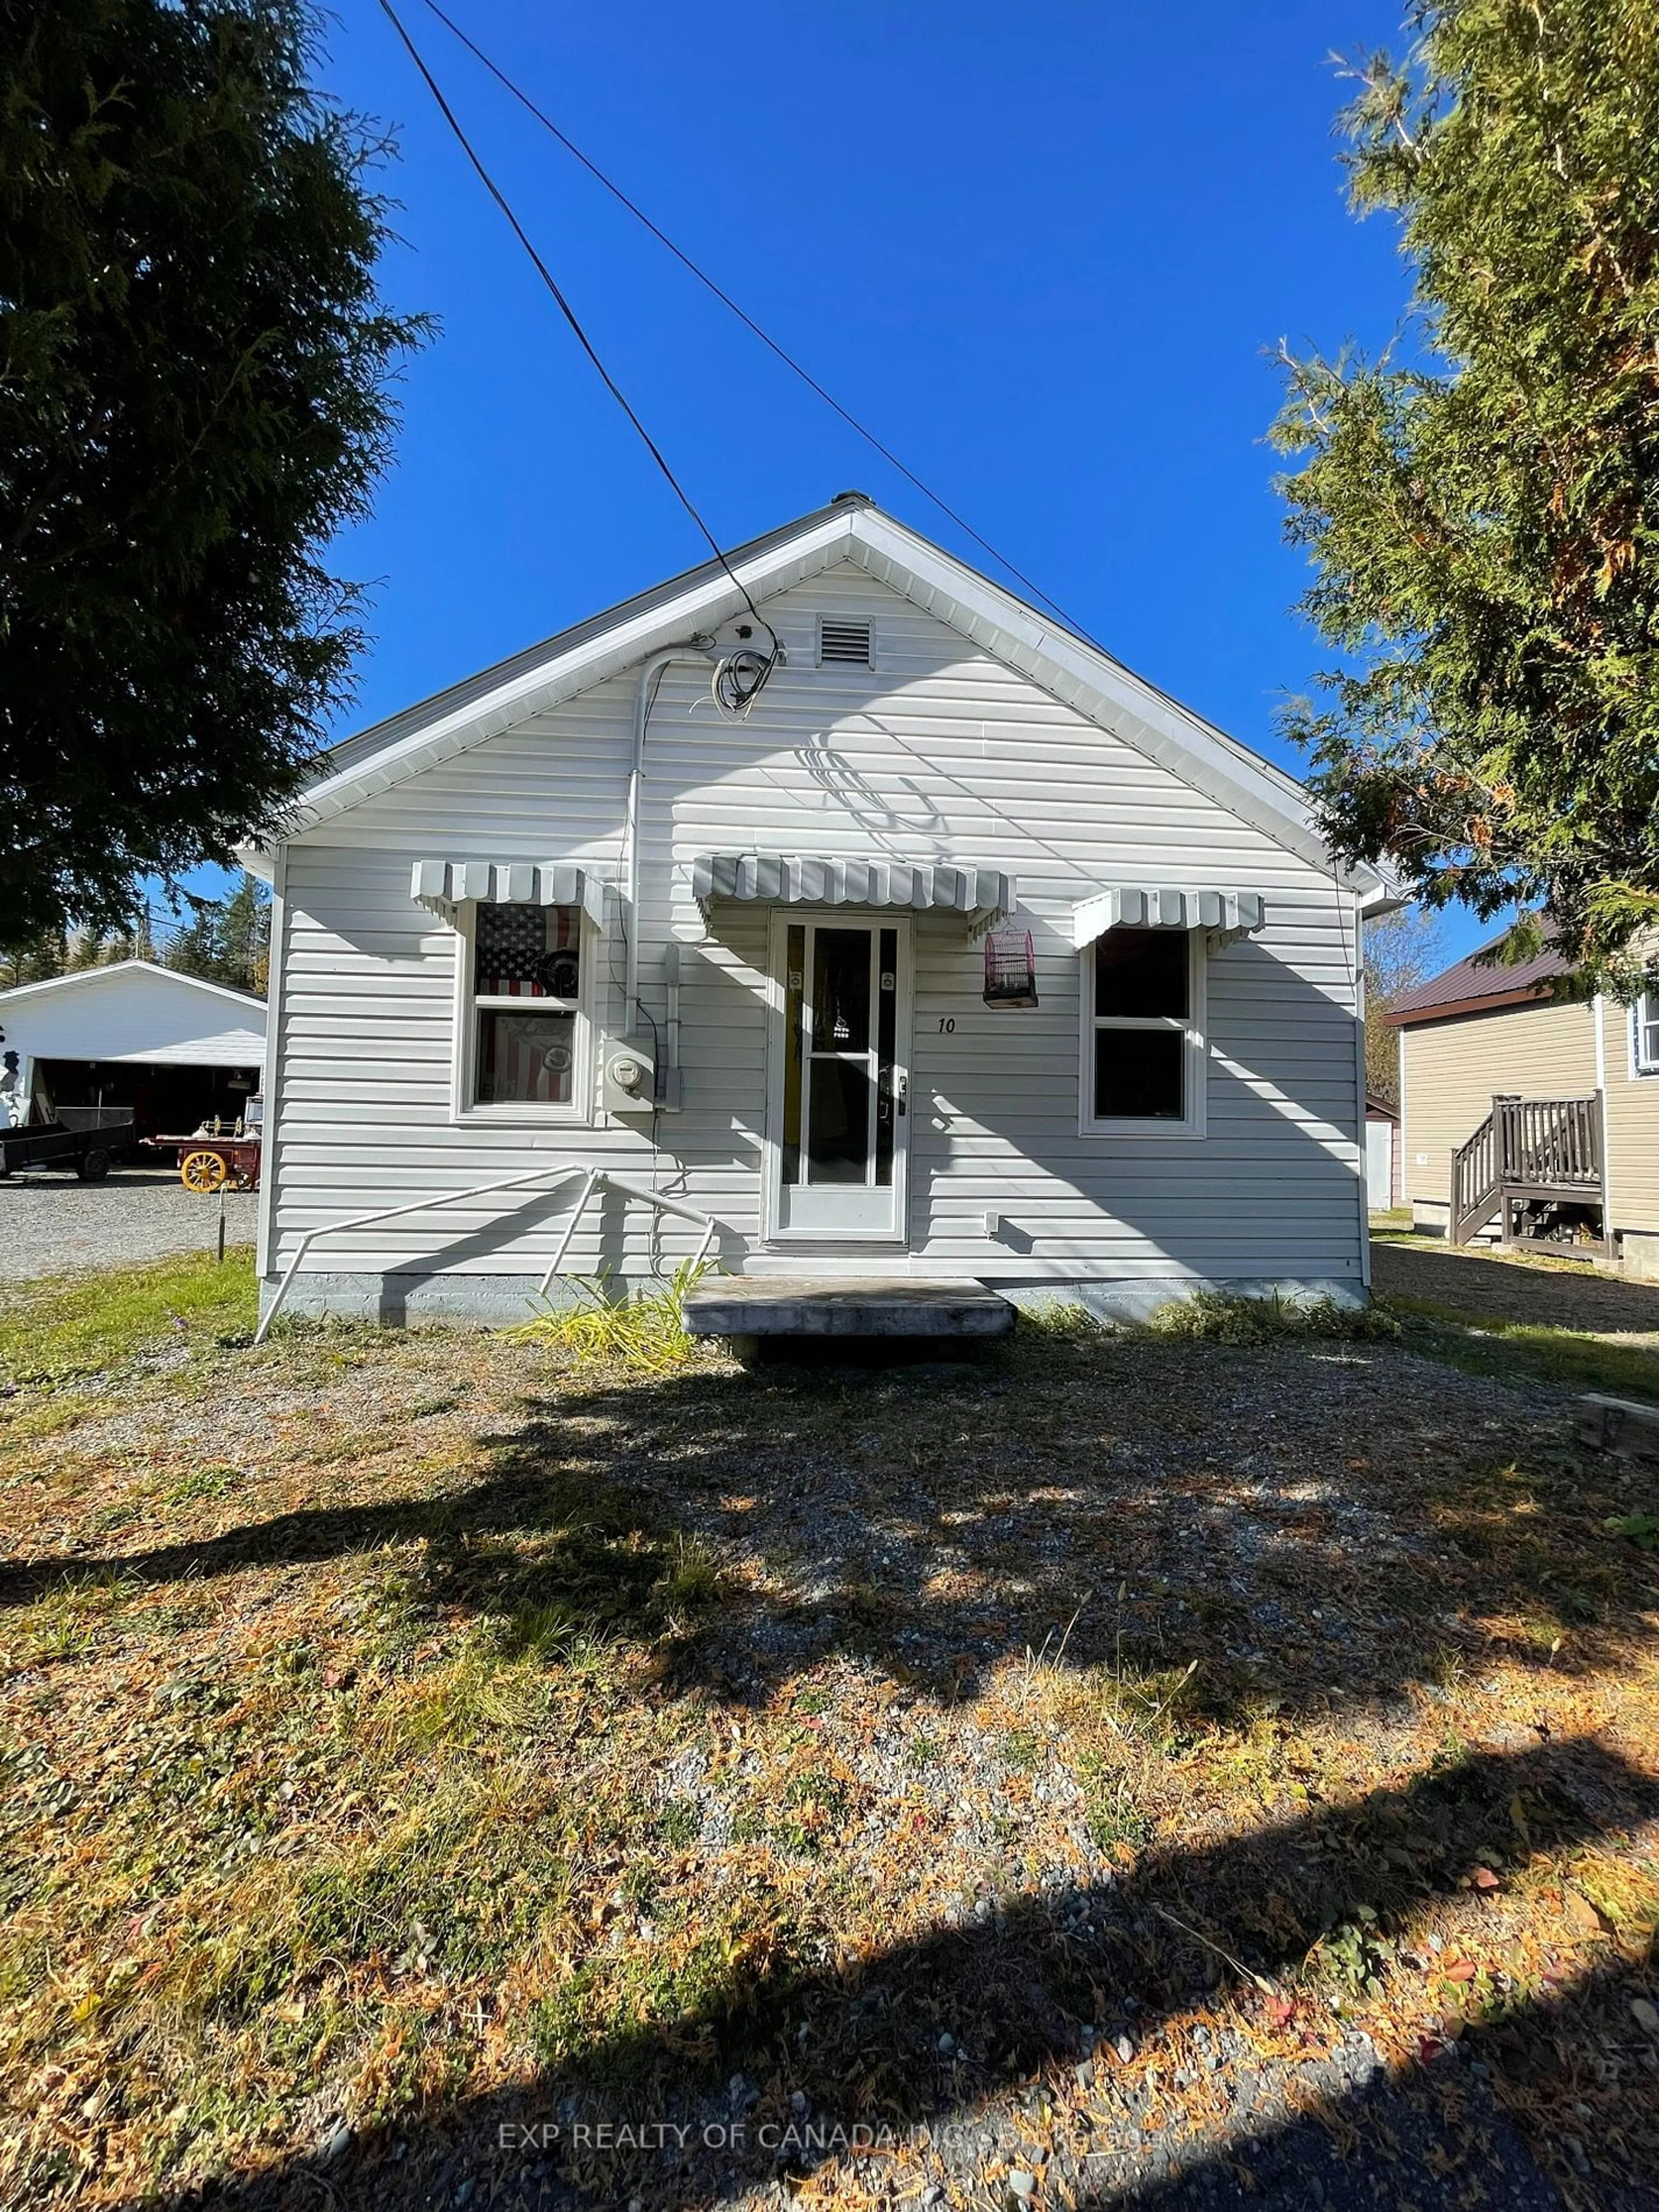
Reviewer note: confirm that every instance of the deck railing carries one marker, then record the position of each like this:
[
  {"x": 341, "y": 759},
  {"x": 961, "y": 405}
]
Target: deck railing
[
  {"x": 1526, "y": 1148},
  {"x": 1549, "y": 1144},
  {"x": 1473, "y": 1184}
]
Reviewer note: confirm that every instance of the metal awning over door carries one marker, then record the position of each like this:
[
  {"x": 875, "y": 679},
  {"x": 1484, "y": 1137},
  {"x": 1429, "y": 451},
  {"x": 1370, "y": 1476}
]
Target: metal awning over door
[{"x": 983, "y": 896}]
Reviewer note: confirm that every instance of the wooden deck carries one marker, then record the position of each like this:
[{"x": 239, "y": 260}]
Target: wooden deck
[{"x": 1532, "y": 1164}]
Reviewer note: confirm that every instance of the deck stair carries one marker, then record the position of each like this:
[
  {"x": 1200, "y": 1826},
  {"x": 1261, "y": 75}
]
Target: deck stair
[
  {"x": 1531, "y": 1164},
  {"x": 749, "y": 1307}
]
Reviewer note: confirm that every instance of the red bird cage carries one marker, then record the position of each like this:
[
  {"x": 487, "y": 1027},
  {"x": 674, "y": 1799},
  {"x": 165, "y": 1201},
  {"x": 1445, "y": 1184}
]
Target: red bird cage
[{"x": 1009, "y": 968}]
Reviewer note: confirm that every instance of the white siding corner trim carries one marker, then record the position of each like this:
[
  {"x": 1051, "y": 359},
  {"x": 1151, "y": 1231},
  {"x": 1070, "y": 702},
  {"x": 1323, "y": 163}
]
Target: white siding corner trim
[
  {"x": 1161, "y": 906},
  {"x": 443, "y": 886}
]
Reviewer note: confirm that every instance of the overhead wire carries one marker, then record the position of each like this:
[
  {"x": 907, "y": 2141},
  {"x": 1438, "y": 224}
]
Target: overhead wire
[
  {"x": 504, "y": 79},
  {"x": 745, "y": 672}
]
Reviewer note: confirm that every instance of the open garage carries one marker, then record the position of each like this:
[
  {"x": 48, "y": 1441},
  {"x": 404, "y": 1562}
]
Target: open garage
[{"x": 175, "y": 1049}]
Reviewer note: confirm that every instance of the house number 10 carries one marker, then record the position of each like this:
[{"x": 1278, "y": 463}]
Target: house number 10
[{"x": 946, "y": 1024}]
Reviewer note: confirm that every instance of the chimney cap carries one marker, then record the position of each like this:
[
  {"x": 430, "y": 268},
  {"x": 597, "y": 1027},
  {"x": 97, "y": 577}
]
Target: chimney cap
[{"x": 851, "y": 499}]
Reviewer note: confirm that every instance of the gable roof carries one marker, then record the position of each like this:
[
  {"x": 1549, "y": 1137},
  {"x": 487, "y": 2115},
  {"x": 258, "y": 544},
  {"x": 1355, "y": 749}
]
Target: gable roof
[
  {"x": 1478, "y": 985},
  {"x": 81, "y": 978},
  {"x": 851, "y": 528}
]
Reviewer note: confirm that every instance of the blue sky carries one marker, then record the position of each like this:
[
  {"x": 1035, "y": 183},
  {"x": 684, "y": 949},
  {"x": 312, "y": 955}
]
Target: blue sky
[{"x": 1042, "y": 250}]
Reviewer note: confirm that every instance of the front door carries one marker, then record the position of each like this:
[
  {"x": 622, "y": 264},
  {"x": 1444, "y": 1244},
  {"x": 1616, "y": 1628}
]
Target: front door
[{"x": 839, "y": 1118}]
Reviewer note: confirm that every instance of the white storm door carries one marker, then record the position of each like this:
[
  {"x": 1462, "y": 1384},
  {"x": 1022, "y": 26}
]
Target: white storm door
[{"x": 839, "y": 1118}]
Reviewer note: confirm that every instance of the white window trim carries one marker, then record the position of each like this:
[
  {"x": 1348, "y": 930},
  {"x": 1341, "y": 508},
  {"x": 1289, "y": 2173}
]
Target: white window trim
[
  {"x": 578, "y": 1112},
  {"x": 1640, "y": 1018},
  {"x": 1195, "y": 1073}
]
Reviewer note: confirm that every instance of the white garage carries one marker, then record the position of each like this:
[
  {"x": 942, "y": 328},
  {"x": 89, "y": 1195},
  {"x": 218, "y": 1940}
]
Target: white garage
[{"x": 175, "y": 1049}]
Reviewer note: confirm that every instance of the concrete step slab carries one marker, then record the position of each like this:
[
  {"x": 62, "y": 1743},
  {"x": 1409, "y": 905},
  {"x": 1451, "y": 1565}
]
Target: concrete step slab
[{"x": 869, "y": 1305}]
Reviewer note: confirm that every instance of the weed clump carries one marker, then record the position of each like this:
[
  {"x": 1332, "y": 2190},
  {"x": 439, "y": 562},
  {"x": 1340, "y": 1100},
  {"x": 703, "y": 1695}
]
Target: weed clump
[
  {"x": 646, "y": 1332},
  {"x": 1221, "y": 1317}
]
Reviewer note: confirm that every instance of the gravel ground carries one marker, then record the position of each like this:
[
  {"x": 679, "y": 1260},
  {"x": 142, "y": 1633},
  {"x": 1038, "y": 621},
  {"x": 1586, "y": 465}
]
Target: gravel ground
[
  {"x": 51, "y": 1223},
  {"x": 1066, "y": 1941}
]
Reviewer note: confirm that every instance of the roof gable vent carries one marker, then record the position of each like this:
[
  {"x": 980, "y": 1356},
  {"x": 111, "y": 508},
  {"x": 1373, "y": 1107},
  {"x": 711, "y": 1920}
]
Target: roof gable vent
[{"x": 844, "y": 642}]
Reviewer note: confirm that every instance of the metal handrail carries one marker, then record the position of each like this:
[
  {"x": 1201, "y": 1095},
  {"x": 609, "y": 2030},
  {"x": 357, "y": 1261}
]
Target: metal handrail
[
  {"x": 598, "y": 1179},
  {"x": 593, "y": 1179}
]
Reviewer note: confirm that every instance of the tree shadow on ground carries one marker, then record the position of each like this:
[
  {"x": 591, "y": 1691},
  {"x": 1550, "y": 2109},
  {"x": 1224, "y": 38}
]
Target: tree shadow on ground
[
  {"x": 1507, "y": 1290},
  {"x": 1282, "y": 1530},
  {"x": 1027, "y": 2004}
]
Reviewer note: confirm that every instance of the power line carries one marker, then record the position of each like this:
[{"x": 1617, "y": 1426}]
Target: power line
[
  {"x": 745, "y": 318},
  {"x": 570, "y": 314}
]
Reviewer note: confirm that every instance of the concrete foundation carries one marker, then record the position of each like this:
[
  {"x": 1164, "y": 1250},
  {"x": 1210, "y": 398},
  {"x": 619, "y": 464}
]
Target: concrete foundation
[{"x": 499, "y": 1301}]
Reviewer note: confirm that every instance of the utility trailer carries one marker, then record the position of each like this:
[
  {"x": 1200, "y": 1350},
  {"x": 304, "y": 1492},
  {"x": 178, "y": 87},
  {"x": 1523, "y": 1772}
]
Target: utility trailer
[{"x": 83, "y": 1138}]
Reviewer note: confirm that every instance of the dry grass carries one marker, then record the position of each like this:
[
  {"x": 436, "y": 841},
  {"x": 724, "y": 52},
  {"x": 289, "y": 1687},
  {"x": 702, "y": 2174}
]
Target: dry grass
[{"x": 407, "y": 1733}]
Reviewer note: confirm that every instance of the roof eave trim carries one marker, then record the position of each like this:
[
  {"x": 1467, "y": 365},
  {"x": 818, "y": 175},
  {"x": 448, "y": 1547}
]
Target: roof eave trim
[
  {"x": 1086, "y": 678},
  {"x": 103, "y": 973},
  {"x": 1490, "y": 1002},
  {"x": 703, "y": 606}
]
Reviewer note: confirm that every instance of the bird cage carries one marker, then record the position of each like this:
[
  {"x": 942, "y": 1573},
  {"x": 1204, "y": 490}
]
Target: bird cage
[{"x": 1009, "y": 968}]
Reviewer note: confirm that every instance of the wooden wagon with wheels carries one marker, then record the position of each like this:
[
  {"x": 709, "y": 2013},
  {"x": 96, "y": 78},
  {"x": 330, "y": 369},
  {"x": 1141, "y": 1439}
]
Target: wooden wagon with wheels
[{"x": 209, "y": 1164}]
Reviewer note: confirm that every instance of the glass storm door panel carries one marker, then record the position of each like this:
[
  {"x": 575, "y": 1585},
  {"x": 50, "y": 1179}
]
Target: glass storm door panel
[{"x": 840, "y": 1108}]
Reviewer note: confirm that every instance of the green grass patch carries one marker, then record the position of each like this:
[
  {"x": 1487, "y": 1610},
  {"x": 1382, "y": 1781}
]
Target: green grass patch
[
  {"x": 1576, "y": 1359},
  {"x": 66, "y": 1327},
  {"x": 1218, "y": 1317}
]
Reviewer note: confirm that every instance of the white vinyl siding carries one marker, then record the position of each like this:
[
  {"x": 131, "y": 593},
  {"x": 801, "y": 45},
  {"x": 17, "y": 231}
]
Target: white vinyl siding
[{"x": 944, "y": 753}]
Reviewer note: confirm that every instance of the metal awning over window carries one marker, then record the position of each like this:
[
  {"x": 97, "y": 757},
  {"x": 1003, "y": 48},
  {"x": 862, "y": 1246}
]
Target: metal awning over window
[
  {"x": 442, "y": 885},
  {"x": 1160, "y": 906},
  {"x": 981, "y": 896}
]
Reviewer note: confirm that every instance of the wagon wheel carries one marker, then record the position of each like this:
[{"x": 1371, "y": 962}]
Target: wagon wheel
[{"x": 201, "y": 1171}]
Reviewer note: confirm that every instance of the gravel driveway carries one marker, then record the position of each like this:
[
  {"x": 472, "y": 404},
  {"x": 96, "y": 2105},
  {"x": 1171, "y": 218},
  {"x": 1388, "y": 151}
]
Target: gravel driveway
[{"x": 49, "y": 1222}]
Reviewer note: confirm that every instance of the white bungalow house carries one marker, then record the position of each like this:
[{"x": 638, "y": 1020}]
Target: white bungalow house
[{"x": 963, "y": 955}]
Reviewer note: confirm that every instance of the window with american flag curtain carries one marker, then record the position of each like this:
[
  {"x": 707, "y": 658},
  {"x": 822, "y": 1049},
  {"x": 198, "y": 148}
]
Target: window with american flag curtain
[{"x": 526, "y": 989}]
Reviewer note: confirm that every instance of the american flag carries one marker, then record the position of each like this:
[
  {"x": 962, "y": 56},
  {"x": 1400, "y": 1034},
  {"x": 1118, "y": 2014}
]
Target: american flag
[
  {"x": 517, "y": 949},
  {"x": 525, "y": 1059}
]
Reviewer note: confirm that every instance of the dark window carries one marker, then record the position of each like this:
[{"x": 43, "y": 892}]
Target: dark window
[
  {"x": 1140, "y": 1075},
  {"x": 1142, "y": 1040},
  {"x": 841, "y": 990},
  {"x": 839, "y": 1146},
  {"x": 1141, "y": 972}
]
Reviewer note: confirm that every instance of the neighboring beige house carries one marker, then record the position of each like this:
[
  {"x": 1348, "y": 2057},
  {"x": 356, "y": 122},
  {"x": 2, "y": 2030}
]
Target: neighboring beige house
[{"x": 1525, "y": 1112}]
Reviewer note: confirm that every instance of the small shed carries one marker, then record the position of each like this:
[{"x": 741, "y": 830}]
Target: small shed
[
  {"x": 1382, "y": 1172},
  {"x": 172, "y": 1048}
]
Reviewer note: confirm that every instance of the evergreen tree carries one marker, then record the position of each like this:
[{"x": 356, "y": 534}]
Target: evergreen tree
[
  {"x": 193, "y": 402},
  {"x": 1482, "y": 505},
  {"x": 194, "y": 947},
  {"x": 244, "y": 937}
]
